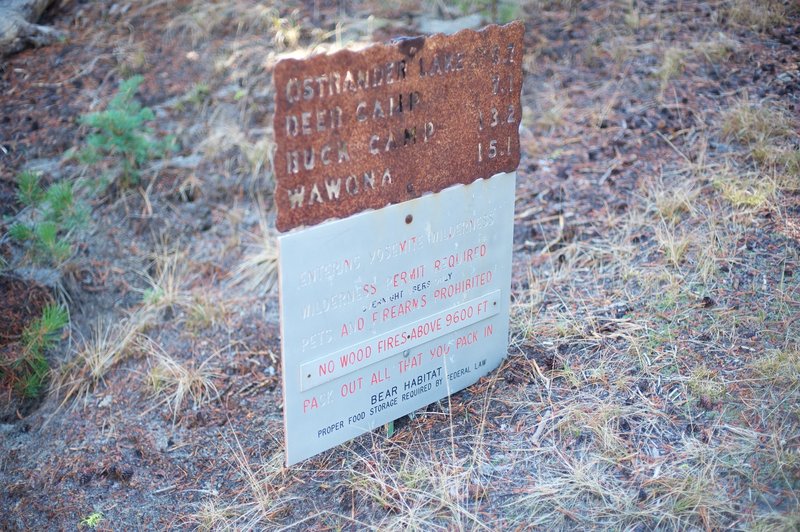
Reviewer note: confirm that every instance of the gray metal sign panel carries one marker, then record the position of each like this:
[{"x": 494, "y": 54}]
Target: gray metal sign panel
[{"x": 387, "y": 311}]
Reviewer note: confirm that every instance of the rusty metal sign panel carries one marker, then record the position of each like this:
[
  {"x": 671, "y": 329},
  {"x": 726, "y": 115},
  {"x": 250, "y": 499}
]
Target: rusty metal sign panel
[
  {"x": 361, "y": 130},
  {"x": 387, "y": 311}
]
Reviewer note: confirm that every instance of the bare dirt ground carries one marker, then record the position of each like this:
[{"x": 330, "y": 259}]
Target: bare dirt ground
[{"x": 653, "y": 376}]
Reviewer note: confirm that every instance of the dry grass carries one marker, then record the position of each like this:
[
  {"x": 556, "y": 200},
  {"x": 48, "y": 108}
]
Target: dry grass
[
  {"x": 780, "y": 368},
  {"x": 563, "y": 497},
  {"x": 258, "y": 271},
  {"x": 204, "y": 311},
  {"x": 673, "y": 242},
  {"x": 131, "y": 57},
  {"x": 672, "y": 64},
  {"x": 639, "y": 421},
  {"x": 705, "y": 384},
  {"x": 111, "y": 343},
  {"x": 203, "y": 20},
  {"x": 713, "y": 250},
  {"x": 242, "y": 154},
  {"x": 618, "y": 476},
  {"x": 748, "y": 190},
  {"x": 720, "y": 48},
  {"x": 674, "y": 200},
  {"x": 108, "y": 345},
  {"x": 770, "y": 135},
  {"x": 174, "y": 383},
  {"x": 165, "y": 286},
  {"x": 257, "y": 506},
  {"x": 645, "y": 426},
  {"x": 633, "y": 17},
  {"x": 760, "y": 16},
  {"x": 615, "y": 474},
  {"x": 551, "y": 109},
  {"x": 417, "y": 491},
  {"x": 758, "y": 124}
]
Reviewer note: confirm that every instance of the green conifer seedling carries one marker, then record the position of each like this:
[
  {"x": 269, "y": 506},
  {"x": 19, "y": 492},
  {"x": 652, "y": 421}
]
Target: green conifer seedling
[
  {"x": 121, "y": 131},
  {"x": 29, "y": 188},
  {"x": 29, "y": 370}
]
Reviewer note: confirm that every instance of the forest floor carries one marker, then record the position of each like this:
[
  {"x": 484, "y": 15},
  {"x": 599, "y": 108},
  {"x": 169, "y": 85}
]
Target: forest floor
[{"x": 653, "y": 371}]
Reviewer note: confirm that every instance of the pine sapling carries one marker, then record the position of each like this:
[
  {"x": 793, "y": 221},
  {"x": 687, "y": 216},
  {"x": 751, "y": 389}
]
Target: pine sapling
[
  {"x": 121, "y": 131},
  {"x": 54, "y": 215},
  {"x": 29, "y": 370},
  {"x": 29, "y": 188}
]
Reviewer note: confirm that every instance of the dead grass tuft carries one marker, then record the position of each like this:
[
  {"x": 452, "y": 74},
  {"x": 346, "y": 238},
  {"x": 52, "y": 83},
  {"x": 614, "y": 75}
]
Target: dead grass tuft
[
  {"x": 131, "y": 58},
  {"x": 780, "y": 367},
  {"x": 416, "y": 492},
  {"x": 166, "y": 283},
  {"x": 260, "y": 504},
  {"x": 672, "y": 64},
  {"x": 758, "y": 124},
  {"x": 706, "y": 385},
  {"x": 204, "y": 311},
  {"x": 673, "y": 242},
  {"x": 719, "y": 48},
  {"x": 673, "y": 200},
  {"x": 560, "y": 498},
  {"x": 746, "y": 190},
  {"x": 177, "y": 383},
  {"x": 551, "y": 109},
  {"x": 258, "y": 272},
  {"x": 760, "y": 16},
  {"x": 243, "y": 154},
  {"x": 202, "y": 20},
  {"x": 108, "y": 345},
  {"x": 770, "y": 135}
]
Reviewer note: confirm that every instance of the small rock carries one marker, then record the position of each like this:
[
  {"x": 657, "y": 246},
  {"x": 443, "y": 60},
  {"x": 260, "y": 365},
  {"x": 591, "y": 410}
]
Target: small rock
[{"x": 48, "y": 277}]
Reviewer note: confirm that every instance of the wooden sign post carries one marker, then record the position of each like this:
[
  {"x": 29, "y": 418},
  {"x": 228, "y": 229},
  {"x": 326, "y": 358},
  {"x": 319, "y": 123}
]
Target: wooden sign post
[{"x": 405, "y": 298}]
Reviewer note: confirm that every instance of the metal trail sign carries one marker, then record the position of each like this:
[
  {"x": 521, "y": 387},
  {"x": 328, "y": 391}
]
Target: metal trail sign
[
  {"x": 385, "y": 311},
  {"x": 360, "y": 130}
]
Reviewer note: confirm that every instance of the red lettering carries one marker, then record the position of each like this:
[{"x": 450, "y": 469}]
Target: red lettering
[
  {"x": 467, "y": 340},
  {"x": 462, "y": 286},
  {"x": 310, "y": 404},
  {"x": 356, "y": 356},
  {"x": 440, "y": 350},
  {"x": 410, "y": 363},
  {"x": 326, "y": 368},
  {"x": 349, "y": 388},
  {"x": 370, "y": 289},
  {"x": 408, "y": 276}
]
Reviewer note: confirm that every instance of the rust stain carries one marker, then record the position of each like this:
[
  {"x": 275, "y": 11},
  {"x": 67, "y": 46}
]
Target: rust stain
[{"x": 361, "y": 130}]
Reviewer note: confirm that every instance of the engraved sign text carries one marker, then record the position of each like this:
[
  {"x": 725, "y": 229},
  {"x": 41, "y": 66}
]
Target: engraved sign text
[{"x": 361, "y": 130}]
